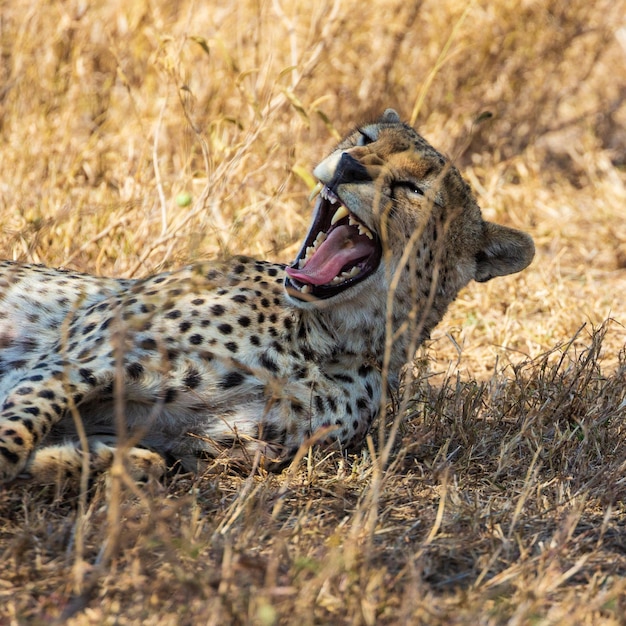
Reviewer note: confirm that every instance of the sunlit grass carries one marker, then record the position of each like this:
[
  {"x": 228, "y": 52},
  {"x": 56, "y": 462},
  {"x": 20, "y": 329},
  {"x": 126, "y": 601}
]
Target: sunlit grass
[{"x": 143, "y": 135}]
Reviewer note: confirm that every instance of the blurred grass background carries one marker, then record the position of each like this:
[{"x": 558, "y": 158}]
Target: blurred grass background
[{"x": 141, "y": 135}]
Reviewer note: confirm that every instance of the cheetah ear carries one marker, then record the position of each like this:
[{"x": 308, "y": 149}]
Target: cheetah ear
[
  {"x": 505, "y": 251},
  {"x": 390, "y": 116}
]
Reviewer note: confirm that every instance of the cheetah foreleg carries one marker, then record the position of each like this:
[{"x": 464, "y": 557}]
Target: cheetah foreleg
[{"x": 29, "y": 411}]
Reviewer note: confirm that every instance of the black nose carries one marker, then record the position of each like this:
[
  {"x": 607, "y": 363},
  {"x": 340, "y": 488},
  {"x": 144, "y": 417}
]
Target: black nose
[{"x": 349, "y": 170}]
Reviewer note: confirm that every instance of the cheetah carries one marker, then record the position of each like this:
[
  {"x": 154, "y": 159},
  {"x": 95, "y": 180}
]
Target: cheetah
[{"x": 247, "y": 359}]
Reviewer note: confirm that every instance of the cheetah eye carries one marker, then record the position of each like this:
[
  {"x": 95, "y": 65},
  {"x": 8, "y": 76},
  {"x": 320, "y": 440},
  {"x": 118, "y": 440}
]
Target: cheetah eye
[
  {"x": 364, "y": 138},
  {"x": 409, "y": 186}
]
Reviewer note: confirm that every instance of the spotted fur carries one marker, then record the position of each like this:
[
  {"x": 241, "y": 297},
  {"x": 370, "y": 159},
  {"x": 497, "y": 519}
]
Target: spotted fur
[{"x": 243, "y": 357}]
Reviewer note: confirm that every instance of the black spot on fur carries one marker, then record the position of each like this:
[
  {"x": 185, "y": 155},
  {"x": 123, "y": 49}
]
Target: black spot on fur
[
  {"x": 268, "y": 363},
  {"x": 196, "y": 339},
  {"x": 331, "y": 403},
  {"x": 11, "y": 457},
  {"x": 134, "y": 370},
  {"x": 170, "y": 395},
  {"x": 148, "y": 344},
  {"x": 231, "y": 346},
  {"x": 192, "y": 378},
  {"x": 362, "y": 403},
  {"x": 244, "y": 321},
  {"x": 28, "y": 423},
  {"x": 87, "y": 376},
  {"x": 232, "y": 379},
  {"x": 364, "y": 370},
  {"x": 225, "y": 329},
  {"x": 344, "y": 378},
  {"x": 218, "y": 309},
  {"x": 307, "y": 354},
  {"x": 272, "y": 433},
  {"x": 300, "y": 372}
]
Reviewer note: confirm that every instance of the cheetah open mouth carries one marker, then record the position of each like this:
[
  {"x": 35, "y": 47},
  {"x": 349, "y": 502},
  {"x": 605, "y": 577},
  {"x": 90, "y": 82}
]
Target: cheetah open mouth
[{"x": 338, "y": 252}]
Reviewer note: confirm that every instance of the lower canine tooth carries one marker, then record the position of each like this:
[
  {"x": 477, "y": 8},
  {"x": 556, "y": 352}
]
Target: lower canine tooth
[{"x": 305, "y": 289}]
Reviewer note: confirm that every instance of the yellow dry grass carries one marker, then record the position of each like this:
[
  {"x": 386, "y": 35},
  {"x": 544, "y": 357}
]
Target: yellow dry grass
[{"x": 141, "y": 135}]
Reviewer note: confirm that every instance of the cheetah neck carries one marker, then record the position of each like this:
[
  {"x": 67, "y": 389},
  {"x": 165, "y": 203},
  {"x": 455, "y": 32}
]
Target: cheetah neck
[{"x": 357, "y": 336}]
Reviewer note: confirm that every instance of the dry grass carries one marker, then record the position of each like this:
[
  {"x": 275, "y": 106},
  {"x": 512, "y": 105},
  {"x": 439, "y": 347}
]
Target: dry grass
[{"x": 142, "y": 135}]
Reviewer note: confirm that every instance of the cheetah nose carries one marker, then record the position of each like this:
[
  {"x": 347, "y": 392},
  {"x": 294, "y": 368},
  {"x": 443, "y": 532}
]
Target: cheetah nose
[{"x": 349, "y": 170}]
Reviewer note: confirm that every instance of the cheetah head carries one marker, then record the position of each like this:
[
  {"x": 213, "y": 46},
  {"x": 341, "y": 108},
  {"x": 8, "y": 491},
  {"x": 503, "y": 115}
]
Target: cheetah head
[{"x": 390, "y": 206}]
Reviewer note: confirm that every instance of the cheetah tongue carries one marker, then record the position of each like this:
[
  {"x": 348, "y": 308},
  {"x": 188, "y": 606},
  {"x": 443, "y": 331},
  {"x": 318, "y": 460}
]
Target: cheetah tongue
[{"x": 342, "y": 246}]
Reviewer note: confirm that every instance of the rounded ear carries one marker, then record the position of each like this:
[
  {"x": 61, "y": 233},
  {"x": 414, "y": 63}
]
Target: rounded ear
[
  {"x": 390, "y": 116},
  {"x": 505, "y": 251}
]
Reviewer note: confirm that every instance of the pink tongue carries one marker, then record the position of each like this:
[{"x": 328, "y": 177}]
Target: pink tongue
[{"x": 340, "y": 247}]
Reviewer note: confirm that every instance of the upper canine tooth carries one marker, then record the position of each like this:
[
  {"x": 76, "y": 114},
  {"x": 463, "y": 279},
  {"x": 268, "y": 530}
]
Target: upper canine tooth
[
  {"x": 340, "y": 213},
  {"x": 317, "y": 189}
]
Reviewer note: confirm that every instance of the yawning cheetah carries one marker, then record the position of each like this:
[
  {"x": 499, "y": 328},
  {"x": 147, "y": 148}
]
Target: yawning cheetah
[{"x": 248, "y": 356}]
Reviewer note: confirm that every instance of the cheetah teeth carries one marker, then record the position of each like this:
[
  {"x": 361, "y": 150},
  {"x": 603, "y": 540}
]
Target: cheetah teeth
[
  {"x": 317, "y": 189},
  {"x": 329, "y": 195},
  {"x": 345, "y": 276},
  {"x": 340, "y": 213},
  {"x": 310, "y": 251},
  {"x": 363, "y": 230}
]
